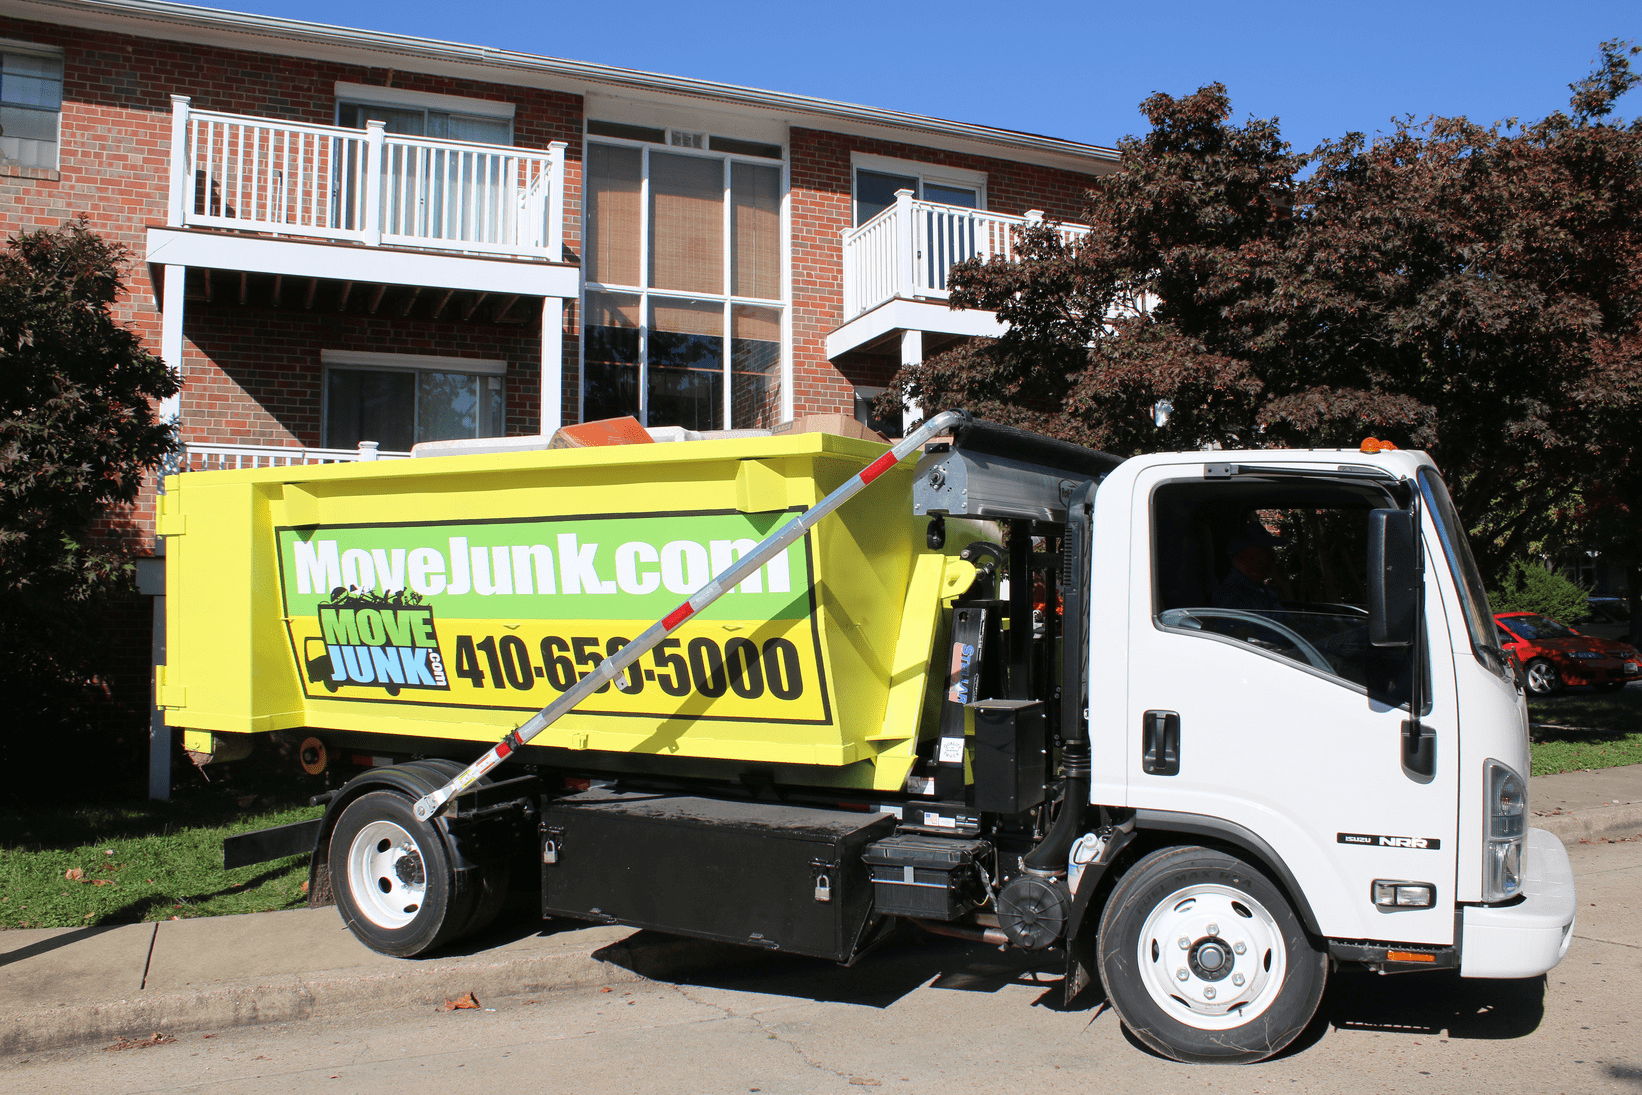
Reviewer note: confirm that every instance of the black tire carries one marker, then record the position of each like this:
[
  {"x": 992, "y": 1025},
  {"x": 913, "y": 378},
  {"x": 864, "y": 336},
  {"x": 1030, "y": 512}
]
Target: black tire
[
  {"x": 1541, "y": 678},
  {"x": 392, "y": 878},
  {"x": 1232, "y": 1007},
  {"x": 494, "y": 881}
]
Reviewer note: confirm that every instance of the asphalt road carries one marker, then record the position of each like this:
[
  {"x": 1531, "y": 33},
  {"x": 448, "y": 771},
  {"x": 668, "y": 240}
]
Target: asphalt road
[{"x": 936, "y": 1017}]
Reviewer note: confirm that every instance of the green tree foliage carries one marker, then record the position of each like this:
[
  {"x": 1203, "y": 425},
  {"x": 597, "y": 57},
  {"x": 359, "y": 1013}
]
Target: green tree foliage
[
  {"x": 78, "y": 430},
  {"x": 1530, "y": 587},
  {"x": 1472, "y": 291}
]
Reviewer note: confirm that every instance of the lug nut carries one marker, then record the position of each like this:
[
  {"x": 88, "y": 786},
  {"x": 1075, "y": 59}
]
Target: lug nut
[
  {"x": 1208, "y": 994},
  {"x": 1184, "y": 942},
  {"x": 1239, "y": 948},
  {"x": 1214, "y": 929},
  {"x": 1181, "y": 974}
]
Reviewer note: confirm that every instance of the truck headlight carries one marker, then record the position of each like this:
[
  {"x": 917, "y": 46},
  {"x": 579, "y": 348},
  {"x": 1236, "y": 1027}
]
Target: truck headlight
[{"x": 1506, "y": 801}]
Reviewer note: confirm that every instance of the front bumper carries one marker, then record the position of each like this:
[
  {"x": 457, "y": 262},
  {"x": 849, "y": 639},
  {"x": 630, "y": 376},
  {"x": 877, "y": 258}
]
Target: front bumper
[{"x": 1528, "y": 938}]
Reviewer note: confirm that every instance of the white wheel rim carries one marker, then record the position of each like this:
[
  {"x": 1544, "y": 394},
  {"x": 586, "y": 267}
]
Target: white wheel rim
[
  {"x": 1231, "y": 965},
  {"x": 387, "y": 875}
]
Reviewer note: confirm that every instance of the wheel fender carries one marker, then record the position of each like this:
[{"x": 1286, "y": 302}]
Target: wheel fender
[
  {"x": 1246, "y": 841},
  {"x": 413, "y": 779}
]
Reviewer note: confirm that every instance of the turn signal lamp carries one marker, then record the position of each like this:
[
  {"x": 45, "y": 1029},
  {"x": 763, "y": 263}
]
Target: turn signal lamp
[
  {"x": 1374, "y": 444},
  {"x": 1390, "y": 894},
  {"x": 1506, "y": 803}
]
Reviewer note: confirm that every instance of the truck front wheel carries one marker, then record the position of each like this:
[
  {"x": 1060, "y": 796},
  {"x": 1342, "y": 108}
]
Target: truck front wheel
[
  {"x": 1204, "y": 960},
  {"x": 392, "y": 877}
]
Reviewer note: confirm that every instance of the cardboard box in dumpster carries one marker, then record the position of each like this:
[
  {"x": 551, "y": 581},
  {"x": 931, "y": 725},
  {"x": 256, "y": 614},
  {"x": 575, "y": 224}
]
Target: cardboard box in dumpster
[{"x": 840, "y": 424}]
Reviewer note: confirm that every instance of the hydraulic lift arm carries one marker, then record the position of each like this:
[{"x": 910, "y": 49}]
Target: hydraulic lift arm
[{"x": 611, "y": 669}]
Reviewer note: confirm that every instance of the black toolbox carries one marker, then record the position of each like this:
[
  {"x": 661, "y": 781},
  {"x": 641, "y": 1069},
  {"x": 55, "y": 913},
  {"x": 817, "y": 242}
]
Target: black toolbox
[
  {"x": 788, "y": 878},
  {"x": 927, "y": 876}
]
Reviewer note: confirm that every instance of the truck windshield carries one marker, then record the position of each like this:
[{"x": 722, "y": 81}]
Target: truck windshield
[{"x": 1479, "y": 620}]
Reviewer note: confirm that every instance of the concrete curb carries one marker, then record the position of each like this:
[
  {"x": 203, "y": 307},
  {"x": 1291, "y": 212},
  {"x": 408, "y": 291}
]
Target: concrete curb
[
  {"x": 1595, "y": 823},
  {"x": 303, "y": 996}
]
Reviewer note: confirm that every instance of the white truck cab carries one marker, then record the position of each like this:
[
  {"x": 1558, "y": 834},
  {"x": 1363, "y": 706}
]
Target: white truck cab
[{"x": 1267, "y": 716}]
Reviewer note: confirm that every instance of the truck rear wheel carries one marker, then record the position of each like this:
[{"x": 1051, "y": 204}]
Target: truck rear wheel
[
  {"x": 392, "y": 877},
  {"x": 1205, "y": 961}
]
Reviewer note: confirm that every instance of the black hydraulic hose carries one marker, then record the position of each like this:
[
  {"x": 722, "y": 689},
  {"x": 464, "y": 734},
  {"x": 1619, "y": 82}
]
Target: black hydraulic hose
[{"x": 1049, "y": 857}]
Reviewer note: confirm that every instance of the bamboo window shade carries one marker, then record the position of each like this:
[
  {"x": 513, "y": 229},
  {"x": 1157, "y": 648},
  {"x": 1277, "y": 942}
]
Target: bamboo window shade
[
  {"x": 755, "y": 227},
  {"x": 686, "y": 223},
  {"x": 611, "y": 310},
  {"x": 613, "y": 210},
  {"x": 687, "y": 317},
  {"x": 758, "y": 324}
]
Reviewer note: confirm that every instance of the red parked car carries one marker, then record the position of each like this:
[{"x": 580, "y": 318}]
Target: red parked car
[{"x": 1554, "y": 655}]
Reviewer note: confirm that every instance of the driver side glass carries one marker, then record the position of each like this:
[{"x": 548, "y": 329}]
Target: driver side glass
[{"x": 1279, "y": 567}]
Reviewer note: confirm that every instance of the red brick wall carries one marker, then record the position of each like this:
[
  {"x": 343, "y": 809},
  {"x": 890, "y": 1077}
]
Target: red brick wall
[
  {"x": 263, "y": 386},
  {"x": 821, "y": 211},
  {"x": 114, "y": 163}
]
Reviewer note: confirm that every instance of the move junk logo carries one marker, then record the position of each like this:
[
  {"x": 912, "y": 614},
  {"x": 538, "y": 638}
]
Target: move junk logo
[{"x": 368, "y": 639}]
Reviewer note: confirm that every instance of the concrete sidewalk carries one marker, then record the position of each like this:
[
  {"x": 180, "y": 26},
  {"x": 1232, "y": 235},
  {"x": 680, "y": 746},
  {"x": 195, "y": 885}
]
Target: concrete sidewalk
[{"x": 76, "y": 986}]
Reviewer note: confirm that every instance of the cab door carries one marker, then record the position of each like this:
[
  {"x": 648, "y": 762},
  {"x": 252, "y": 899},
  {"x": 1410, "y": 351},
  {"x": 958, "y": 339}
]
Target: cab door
[{"x": 1258, "y": 709}]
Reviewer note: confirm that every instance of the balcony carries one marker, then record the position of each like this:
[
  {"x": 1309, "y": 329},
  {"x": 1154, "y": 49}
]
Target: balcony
[
  {"x": 904, "y": 257},
  {"x": 197, "y": 456},
  {"x": 366, "y": 187}
]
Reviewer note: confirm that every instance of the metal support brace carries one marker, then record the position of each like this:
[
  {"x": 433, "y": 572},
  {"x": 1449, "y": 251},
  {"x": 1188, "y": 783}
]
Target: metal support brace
[
  {"x": 963, "y": 688},
  {"x": 611, "y": 669}
]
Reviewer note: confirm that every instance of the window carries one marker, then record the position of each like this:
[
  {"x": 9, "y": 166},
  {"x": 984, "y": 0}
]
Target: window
[
  {"x": 31, "y": 105},
  {"x": 682, "y": 248},
  {"x": 422, "y": 114},
  {"x": 877, "y": 179},
  {"x": 1279, "y": 566},
  {"x": 430, "y": 191},
  {"x": 866, "y": 413},
  {"x": 397, "y": 400}
]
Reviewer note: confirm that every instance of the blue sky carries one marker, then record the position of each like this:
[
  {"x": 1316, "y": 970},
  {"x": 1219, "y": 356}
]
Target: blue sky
[{"x": 1073, "y": 70}]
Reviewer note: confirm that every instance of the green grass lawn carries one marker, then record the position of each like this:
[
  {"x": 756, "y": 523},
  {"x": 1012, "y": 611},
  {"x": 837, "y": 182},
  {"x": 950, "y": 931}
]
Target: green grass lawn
[
  {"x": 1580, "y": 729},
  {"x": 150, "y": 860}
]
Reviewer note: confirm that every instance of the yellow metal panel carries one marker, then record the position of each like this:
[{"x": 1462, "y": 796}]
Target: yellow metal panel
[
  {"x": 446, "y": 599},
  {"x": 759, "y": 487},
  {"x": 166, "y": 693}
]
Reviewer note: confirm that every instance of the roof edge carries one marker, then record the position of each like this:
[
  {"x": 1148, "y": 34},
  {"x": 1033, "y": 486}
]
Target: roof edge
[{"x": 576, "y": 72}]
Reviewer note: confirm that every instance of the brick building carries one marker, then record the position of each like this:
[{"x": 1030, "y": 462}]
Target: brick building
[{"x": 349, "y": 242}]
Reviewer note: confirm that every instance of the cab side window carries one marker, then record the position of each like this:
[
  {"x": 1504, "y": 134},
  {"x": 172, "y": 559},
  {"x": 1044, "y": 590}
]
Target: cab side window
[{"x": 1278, "y": 566}]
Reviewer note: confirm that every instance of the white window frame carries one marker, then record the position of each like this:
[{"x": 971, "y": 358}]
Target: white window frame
[
  {"x": 367, "y": 95},
  {"x": 38, "y": 49},
  {"x": 400, "y": 363},
  {"x": 925, "y": 173},
  {"x": 728, "y": 300}
]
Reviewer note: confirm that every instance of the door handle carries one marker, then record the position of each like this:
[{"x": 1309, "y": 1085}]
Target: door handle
[{"x": 1160, "y": 743}]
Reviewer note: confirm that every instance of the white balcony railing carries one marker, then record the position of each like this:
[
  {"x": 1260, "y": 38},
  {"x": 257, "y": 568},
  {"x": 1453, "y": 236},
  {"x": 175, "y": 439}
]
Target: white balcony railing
[
  {"x": 212, "y": 457},
  {"x": 909, "y": 249},
  {"x": 363, "y": 185}
]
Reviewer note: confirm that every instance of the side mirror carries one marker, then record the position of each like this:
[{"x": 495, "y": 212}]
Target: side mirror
[{"x": 1393, "y": 577}]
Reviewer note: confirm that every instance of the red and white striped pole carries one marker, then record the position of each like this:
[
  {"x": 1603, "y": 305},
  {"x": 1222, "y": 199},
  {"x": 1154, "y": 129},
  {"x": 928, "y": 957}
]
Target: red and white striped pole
[{"x": 611, "y": 669}]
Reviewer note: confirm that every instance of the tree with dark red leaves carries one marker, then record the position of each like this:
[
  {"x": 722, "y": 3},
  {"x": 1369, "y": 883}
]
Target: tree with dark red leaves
[
  {"x": 1472, "y": 291},
  {"x": 79, "y": 429}
]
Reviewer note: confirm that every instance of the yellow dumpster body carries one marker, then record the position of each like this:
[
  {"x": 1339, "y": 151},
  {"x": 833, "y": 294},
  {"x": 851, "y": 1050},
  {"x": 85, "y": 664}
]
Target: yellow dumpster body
[{"x": 441, "y": 601}]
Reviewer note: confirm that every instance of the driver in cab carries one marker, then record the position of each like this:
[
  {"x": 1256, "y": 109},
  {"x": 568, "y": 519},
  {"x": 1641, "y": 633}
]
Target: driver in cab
[{"x": 1248, "y": 585}]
